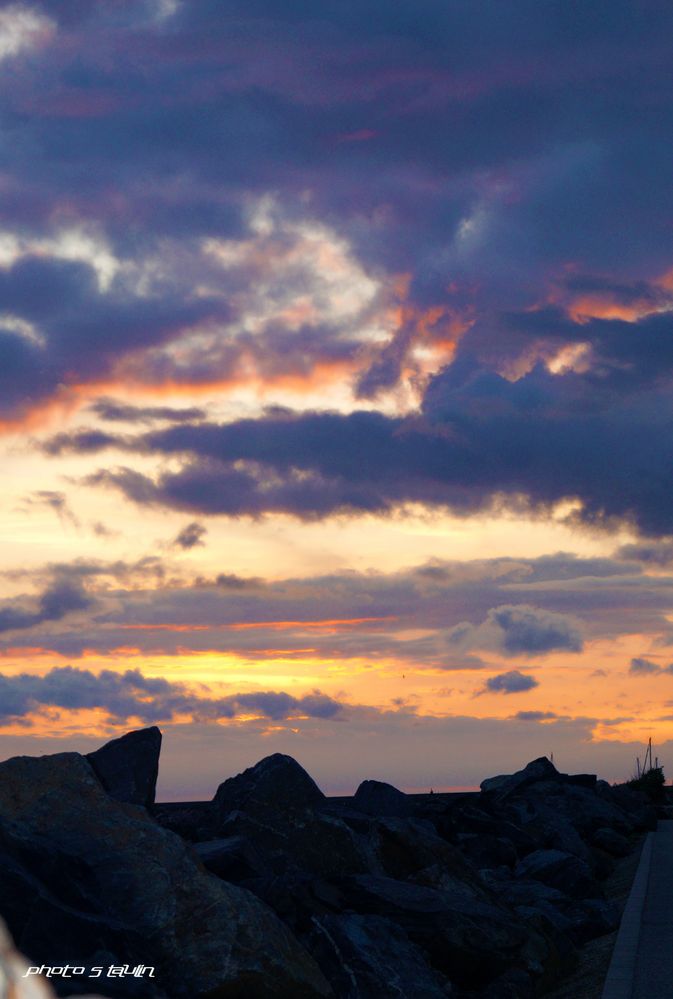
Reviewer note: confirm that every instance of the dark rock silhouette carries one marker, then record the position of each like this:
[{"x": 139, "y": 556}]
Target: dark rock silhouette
[
  {"x": 273, "y": 890},
  {"x": 538, "y": 770},
  {"x": 128, "y": 767},
  {"x": 378, "y": 798},
  {"x": 275, "y": 784}
]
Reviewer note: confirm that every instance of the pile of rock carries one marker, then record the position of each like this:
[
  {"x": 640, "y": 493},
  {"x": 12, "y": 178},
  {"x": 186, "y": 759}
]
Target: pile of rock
[{"x": 273, "y": 890}]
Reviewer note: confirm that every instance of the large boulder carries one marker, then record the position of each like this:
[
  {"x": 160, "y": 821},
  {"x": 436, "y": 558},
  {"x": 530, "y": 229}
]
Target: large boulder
[
  {"x": 368, "y": 957},
  {"x": 469, "y": 940},
  {"x": 189, "y": 819},
  {"x": 559, "y": 870},
  {"x": 274, "y": 786},
  {"x": 307, "y": 840},
  {"x": 128, "y": 767},
  {"x": 232, "y": 859},
  {"x": 611, "y": 842},
  {"x": 375, "y": 797},
  {"x": 486, "y": 851},
  {"x": 410, "y": 849},
  {"x": 506, "y": 784},
  {"x": 122, "y": 881},
  {"x": 641, "y": 813},
  {"x": 590, "y": 918},
  {"x": 468, "y": 819},
  {"x": 579, "y": 919},
  {"x": 584, "y": 809}
]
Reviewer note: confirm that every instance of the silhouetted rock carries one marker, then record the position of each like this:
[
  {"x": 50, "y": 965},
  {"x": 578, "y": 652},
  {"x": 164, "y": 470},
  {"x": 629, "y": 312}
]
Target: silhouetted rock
[
  {"x": 582, "y": 808},
  {"x": 488, "y": 851},
  {"x": 634, "y": 805},
  {"x": 378, "y": 798},
  {"x": 274, "y": 786},
  {"x": 410, "y": 849},
  {"x": 318, "y": 843},
  {"x": 468, "y": 940},
  {"x": 368, "y": 957},
  {"x": 142, "y": 886},
  {"x": 190, "y": 819},
  {"x": 581, "y": 780},
  {"x": 539, "y": 816},
  {"x": 233, "y": 859},
  {"x": 611, "y": 841},
  {"x": 559, "y": 870},
  {"x": 472, "y": 819},
  {"x": 537, "y": 770},
  {"x": 128, "y": 767},
  {"x": 590, "y": 918}
]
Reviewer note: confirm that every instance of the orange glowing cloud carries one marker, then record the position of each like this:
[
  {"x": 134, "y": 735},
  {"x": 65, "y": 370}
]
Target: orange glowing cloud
[
  {"x": 329, "y": 624},
  {"x": 605, "y": 306}
]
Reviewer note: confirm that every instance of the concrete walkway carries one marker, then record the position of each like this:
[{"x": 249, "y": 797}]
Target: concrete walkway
[{"x": 642, "y": 961}]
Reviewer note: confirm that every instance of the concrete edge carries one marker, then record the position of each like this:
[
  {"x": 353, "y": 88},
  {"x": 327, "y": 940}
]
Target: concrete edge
[{"x": 621, "y": 973}]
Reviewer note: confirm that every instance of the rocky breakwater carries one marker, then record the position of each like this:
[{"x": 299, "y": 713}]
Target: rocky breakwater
[
  {"x": 273, "y": 890},
  {"x": 487, "y": 895}
]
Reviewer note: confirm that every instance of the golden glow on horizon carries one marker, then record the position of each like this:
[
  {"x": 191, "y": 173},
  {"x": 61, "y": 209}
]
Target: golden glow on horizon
[{"x": 594, "y": 684}]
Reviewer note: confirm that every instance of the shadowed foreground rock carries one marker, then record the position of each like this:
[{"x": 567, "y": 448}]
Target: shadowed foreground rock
[
  {"x": 273, "y": 891},
  {"x": 87, "y": 879},
  {"x": 367, "y": 957}
]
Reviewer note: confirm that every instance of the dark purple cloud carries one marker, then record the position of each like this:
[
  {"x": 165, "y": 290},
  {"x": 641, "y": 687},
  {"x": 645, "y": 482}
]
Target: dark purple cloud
[
  {"x": 120, "y": 412},
  {"x": 62, "y": 597},
  {"x": 482, "y": 440},
  {"x": 645, "y": 667},
  {"x": 659, "y": 554},
  {"x": 531, "y": 632},
  {"x": 512, "y": 682},
  {"x": 512, "y": 161},
  {"x": 499, "y": 148}
]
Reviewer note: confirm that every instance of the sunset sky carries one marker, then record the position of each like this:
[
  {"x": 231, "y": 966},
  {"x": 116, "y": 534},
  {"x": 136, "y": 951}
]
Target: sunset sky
[{"x": 336, "y": 384}]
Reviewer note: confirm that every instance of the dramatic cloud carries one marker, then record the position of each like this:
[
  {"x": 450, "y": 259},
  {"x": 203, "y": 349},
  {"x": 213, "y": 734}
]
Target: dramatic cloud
[
  {"x": 519, "y": 630},
  {"x": 512, "y": 682},
  {"x": 464, "y": 453},
  {"x": 132, "y": 695},
  {"x": 283, "y": 213},
  {"x": 310, "y": 269}
]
